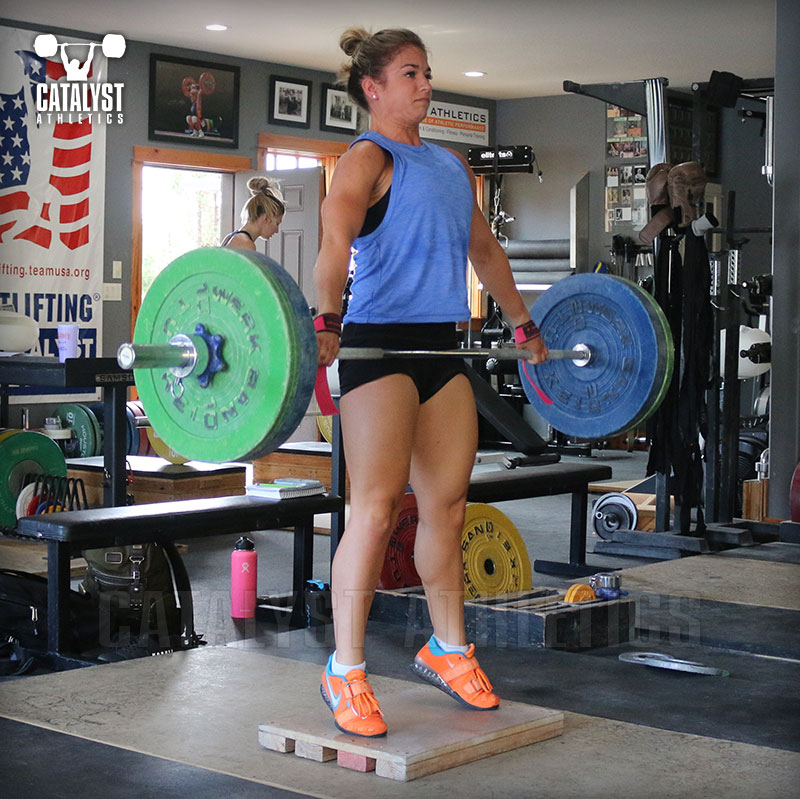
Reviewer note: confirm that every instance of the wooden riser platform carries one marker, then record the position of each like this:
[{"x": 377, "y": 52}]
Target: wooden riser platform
[
  {"x": 428, "y": 732},
  {"x": 535, "y": 618}
]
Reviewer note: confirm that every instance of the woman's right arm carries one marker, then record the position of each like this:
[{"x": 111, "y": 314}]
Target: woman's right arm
[{"x": 343, "y": 212}]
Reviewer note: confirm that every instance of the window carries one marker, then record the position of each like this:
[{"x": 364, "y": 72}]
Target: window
[
  {"x": 188, "y": 162},
  {"x": 273, "y": 161},
  {"x": 181, "y": 211}
]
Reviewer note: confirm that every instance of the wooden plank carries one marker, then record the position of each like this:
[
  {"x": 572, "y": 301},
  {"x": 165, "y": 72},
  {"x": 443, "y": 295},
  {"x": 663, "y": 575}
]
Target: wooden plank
[
  {"x": 355, "y": 762},
  {"x": 156, "y": 480},
  {"x": 31, "y": 557},
  {"x": 277, "y": 743},
  {"x": 468, "y": 754},
  {"x": 314, "y": 751},
  {"x": 312, "y": 465},
  {"x": 612, "y": 486},
  {"x": 755, "y": 499},
  {"x": 428, "y": 733}
]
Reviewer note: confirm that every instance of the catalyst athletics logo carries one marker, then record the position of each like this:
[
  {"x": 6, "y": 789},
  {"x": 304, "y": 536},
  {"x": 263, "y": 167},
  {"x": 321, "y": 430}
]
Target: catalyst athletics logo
[{"x": 68, "y": 94}]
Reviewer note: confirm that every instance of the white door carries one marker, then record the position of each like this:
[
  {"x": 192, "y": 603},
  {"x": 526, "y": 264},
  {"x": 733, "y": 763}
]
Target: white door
[
  {"x": 296, "y": 243},
  {"x": 294, "y": 246}
]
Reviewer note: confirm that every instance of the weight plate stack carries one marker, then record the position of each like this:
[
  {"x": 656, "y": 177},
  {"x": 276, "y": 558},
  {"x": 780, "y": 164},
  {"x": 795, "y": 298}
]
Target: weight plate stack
[
  {"x": 495, "y": 557},
  {"x": 98, "y": 410},
  {"x": 614, "y": 512},
  {"x": 133, "y": 434},
  {"x": 98, "y": 431},
  {"x": 87, "y": 429},
  {"x": 24, "y": 500},
  {"x": 140, "y": 443},
  {"x": 268, "y": 349},
  {"x": 631, "y": 364},
  {"x": 24, "y": 453},
  {"x": 666, "y": 356},
  {"x": 398, "y": 565}
]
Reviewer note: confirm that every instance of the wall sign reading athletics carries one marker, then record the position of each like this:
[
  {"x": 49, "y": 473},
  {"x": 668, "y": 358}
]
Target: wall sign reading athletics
[{"x": 461, "y": 123}]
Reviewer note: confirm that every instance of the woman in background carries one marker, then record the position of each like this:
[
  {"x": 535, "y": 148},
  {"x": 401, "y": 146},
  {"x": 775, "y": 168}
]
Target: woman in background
[{"x": 261, "y": 216}]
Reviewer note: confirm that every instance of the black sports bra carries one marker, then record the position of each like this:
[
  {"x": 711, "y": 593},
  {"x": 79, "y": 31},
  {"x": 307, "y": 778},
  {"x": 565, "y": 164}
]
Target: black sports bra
[
  {"x": 231, "y": 235},
  {"x": 375, "y": 214}
]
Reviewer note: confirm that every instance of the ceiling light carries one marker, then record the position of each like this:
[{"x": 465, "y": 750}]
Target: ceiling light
[
  {"x": 216, "y": 27},
  {"x": 474, "y": 74}
]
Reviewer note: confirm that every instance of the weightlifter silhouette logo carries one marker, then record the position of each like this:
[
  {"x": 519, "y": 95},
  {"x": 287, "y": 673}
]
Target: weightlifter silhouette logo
[{"x": 65, "y": 91}]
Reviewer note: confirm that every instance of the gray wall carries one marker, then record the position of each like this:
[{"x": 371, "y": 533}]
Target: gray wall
[{"x": 567, "y": 133}]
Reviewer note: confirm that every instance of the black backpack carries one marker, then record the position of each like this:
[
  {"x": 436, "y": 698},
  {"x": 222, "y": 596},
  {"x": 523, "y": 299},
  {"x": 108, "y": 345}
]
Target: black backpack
[
  {"x": 144, "y": 598},
  {"x": 23, "y": 613}
]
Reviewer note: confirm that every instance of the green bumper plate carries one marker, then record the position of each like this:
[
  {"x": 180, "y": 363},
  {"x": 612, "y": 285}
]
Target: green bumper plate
[{"x": 269, "y": 352}]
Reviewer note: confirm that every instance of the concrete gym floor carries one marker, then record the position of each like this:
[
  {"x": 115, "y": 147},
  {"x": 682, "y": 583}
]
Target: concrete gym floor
[{"x": 187, "y": 723}]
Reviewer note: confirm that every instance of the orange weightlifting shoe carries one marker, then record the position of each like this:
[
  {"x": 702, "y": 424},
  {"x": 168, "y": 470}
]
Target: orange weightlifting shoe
[
  {"x": 355, "y": 709},
  {"x": 456, "y": 674}
]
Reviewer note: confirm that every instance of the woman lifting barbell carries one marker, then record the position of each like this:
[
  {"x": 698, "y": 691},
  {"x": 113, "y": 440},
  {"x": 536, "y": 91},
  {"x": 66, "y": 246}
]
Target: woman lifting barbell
[
  {"x": 408, "y": 210},
  {"x": 261, "y": 216}
]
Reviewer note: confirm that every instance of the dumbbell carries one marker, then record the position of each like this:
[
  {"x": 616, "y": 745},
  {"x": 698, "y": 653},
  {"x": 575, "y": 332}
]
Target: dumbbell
[{"x": 45, "y": 45}]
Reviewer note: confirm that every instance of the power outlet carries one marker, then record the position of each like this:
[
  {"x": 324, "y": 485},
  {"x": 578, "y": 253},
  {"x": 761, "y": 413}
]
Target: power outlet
[{"x": 116, "y": 270}]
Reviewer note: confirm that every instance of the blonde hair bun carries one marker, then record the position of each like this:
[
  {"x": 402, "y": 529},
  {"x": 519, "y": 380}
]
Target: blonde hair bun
[
  {"x": 262, "y": 185},
  {"x": 351, "y": 40}
]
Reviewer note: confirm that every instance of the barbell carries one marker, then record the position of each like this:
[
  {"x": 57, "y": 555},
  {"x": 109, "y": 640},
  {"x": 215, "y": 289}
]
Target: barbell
[
  {"x": 206, "y": 83},
  {"x": 225, "y": 355},
  {"x": 45, "y": 45},
  {"x": 181, "y": 355}
]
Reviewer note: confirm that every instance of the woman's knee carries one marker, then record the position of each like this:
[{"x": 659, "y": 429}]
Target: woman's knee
[
  {"x": 377, "y": 514},
  {"x": 443, "y": 517}
]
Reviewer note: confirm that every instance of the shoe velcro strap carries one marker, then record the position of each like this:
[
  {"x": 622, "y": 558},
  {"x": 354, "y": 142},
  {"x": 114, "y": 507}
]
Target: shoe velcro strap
[
  {"x": 355, "y": 688},
  {"x": 464, "y": 666}
]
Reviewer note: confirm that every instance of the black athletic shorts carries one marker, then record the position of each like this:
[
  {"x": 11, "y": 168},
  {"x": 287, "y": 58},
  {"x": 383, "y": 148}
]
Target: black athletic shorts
[{"x": 429, "y": 374}]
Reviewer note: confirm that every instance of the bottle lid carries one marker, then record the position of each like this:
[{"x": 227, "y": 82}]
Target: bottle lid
[{"x": 244, "y": 543}]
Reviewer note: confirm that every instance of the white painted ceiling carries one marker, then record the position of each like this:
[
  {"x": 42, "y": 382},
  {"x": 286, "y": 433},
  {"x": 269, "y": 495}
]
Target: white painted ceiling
[{"x": 526, "y": 47}]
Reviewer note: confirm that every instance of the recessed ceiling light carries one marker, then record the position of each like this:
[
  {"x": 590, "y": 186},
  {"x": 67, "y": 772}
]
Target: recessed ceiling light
[
  {"x": 474, "y": 74},
  {"x": 216, "y": 27}
]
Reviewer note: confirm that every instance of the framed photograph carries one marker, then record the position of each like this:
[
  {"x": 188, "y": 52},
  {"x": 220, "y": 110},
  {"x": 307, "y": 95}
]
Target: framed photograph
[
  {"x": 338, "y": 112},
  {"x": 289, "y": 101},
  {"x": 196, "y": 101}
]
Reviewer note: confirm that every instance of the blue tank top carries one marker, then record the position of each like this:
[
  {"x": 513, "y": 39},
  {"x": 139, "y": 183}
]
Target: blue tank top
[{"x": 413, "y": 266}]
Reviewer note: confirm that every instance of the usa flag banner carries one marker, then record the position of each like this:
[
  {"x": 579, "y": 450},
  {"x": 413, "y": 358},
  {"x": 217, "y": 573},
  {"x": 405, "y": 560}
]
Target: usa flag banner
[{"x": 52, "y": 191}]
